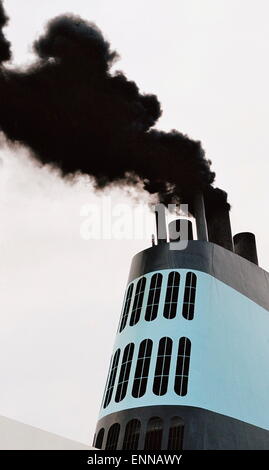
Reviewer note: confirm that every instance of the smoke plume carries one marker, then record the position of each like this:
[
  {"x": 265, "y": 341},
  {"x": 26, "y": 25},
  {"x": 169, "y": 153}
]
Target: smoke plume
[
  {"x": 4, "y": 44},
  {"x": 74, "y": 113}
]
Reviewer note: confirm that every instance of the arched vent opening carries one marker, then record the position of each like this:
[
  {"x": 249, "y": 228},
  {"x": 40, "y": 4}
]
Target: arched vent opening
[
  {"x": 154, "y": 434},
  {"x": 113, "y": 437},
  {"x": 131, "y": 436}
]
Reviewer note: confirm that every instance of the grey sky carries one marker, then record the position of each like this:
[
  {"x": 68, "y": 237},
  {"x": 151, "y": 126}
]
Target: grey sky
[{"x": 61, "y": 295}]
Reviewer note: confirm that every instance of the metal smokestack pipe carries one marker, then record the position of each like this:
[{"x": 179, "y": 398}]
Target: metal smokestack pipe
[
  {"x": 199, "y": 214},
  {"x": 161, "y": 229},
  {"x": 175, "y": 234},
  {"x": 219, "y": 228},
  {"x": 245, "y": 246}
]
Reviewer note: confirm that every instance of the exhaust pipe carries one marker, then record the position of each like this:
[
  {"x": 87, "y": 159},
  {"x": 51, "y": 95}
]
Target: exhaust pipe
[
  {"x": 199, "y": 214},
  {"x": 219, "y": 228},
  {"x": 245, "y": 246},
  {"x": 161, "y": 229}
]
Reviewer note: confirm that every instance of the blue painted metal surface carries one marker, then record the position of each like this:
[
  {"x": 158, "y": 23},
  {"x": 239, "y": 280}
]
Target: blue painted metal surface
[{"x": 229, "y": 371}]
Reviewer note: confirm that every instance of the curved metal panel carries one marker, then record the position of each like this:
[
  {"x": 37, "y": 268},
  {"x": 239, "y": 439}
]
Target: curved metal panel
[{"x": 224, "y": 265}]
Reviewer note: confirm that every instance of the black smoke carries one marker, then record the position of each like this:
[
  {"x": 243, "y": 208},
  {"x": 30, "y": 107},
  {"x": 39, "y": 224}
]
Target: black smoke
[
  {"x": 5, "y": 53},
  {"x": 74, "y": 113}
]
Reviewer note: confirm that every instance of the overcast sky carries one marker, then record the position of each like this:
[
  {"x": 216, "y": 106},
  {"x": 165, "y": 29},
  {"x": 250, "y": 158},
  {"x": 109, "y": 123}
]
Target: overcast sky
[{"x": 61, "y": 295}]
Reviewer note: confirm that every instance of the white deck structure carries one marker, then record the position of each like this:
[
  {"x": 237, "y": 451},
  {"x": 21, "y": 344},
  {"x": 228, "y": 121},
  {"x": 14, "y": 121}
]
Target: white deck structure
[{"x": 18, "y": 436}]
